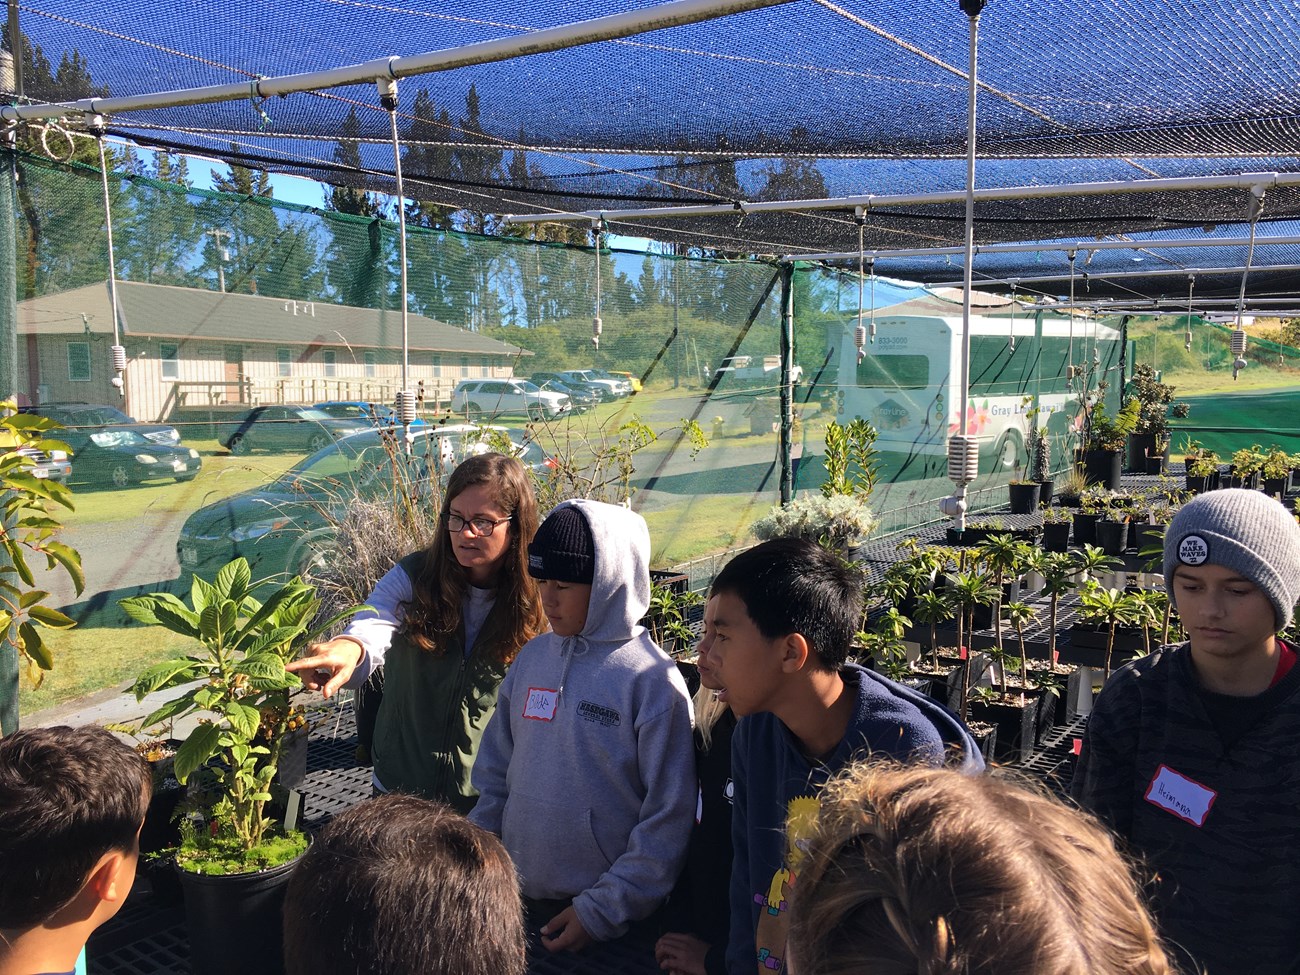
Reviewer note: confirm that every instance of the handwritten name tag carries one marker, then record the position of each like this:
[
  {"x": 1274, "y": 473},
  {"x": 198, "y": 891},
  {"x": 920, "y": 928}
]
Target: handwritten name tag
[
  {"x": 540, "y": 703},
  {"x": 1176, "y": 793}
]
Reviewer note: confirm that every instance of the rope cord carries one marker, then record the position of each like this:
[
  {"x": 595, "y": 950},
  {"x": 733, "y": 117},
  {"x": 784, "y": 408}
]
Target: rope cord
[{"x": 388, "y": 96}]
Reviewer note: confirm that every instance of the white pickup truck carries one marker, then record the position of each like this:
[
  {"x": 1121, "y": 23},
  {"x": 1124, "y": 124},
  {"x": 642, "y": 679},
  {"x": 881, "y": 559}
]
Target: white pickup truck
[{"x": 754, "y": 371}]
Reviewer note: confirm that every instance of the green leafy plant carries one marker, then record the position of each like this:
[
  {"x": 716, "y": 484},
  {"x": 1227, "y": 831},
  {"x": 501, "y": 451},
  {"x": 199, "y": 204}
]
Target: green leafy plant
[
  {"x": 1019, "y": 614},
  {"x": 1106, "y": 432},
  {"x": 666, "y": 619},
  {"x": 1111, "y": 607},
  {"x": 236, "y": 680},
  {"x": 1198, "y": 461},
  {"x": 934, "y": 606},
  {"x": 1059, "y": 569},
  {"x": 1247, "y": 461},
  {"x": 852, "y": 461},
  {"x": 1154, "y": 399},
  {"x": 29, "y": 532},
  {"x": 1276, "y": 463},
  {"x": 884, "y": 643}
]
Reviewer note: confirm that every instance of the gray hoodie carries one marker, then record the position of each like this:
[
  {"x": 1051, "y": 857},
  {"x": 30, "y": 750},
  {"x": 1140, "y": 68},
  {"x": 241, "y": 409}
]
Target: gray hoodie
[{"x": 586, "y": 770}]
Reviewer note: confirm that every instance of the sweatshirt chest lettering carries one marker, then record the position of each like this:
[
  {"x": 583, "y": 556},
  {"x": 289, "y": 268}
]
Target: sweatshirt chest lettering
[
  {"x": 598, "y": 714},
  {"x": 1182, "y": 797}
]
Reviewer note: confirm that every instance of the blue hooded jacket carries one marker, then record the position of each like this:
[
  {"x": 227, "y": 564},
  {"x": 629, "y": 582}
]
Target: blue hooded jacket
[{"x": 776, "y": 799}]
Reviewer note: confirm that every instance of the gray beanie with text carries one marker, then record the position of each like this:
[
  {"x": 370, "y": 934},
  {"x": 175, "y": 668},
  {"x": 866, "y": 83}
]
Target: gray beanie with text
[{"x": 1247, "y": 531}]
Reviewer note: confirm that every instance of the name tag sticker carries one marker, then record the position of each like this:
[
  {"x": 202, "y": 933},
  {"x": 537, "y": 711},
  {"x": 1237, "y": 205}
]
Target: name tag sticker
[
  {"x": 540, "y": 704},
  {"x": 1176, "y": 793}
]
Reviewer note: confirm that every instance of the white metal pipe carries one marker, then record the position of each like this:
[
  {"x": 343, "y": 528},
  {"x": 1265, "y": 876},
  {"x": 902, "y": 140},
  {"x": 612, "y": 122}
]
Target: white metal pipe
[
  {"x": 1080, "y": 245},
  {"x": 1242, "y": 181},
  {"x": 673, "y": 14},
  {"x": 1121, "y": 275},
  {"x": 1175, "y": 305}
]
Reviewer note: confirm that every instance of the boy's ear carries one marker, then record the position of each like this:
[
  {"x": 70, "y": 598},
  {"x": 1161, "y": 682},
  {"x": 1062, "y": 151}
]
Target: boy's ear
[
  {"x": 795, "y": 651},
  {"x": 112, "y": 877}
]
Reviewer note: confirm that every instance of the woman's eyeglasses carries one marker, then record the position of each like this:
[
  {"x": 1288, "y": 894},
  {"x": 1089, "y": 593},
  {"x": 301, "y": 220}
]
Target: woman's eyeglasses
[{"x": 482, "y": 527}]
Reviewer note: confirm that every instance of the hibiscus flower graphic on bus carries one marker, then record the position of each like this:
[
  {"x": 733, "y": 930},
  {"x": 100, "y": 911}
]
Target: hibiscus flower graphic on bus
[{"x": 976, "y": 419}]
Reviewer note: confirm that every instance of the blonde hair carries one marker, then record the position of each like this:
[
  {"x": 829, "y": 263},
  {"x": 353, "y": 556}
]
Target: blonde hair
[
  {"x": 708, "y": 709},
  {"x": 926, "y": 871}
]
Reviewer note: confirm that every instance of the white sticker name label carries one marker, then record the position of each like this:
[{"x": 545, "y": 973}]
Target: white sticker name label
[
  {"x": 1176, "y": 793},
  {"x": 540, "y": 703}
]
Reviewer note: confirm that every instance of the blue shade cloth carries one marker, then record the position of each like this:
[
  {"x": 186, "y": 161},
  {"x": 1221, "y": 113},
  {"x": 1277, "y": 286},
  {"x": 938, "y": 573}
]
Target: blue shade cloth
[{"x": 803, "y": 100}]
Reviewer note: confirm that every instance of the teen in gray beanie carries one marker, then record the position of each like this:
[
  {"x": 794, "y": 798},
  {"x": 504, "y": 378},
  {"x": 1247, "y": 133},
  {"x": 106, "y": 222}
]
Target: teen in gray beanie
[
  {"x": 1190, "y": 752},
  {"x": 1247, "y": 531}
]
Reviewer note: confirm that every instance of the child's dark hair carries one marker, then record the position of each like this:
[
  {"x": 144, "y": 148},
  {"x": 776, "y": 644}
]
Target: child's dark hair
[
  {"x": 398, "y": 885},
  {"x": 67, "y": 797},
  {"x": 917, "y": 869},
  {"x": 790, "y": 585}
]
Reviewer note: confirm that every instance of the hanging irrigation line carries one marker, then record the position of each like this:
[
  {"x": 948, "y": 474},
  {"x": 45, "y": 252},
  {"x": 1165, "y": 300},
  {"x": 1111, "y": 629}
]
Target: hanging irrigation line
[
  {"x": 405, "y": 404},
  {"x": 1120, "y": 276},
  {"x": 96, "y": 128}
]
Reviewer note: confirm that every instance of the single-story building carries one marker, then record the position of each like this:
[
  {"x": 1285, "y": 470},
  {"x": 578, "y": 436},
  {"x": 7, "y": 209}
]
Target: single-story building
[{"x": 189, "y": 347}]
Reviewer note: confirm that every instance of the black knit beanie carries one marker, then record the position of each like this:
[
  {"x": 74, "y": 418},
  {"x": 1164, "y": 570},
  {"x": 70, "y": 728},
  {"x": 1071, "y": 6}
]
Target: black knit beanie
[{"x": 563, "y": 548}]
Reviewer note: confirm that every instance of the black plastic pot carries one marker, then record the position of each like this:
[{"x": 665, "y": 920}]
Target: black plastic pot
[
  {"x": 1045, "y": 491},
  {"x": 1112, "y": 536},
  {"x": 1085, "y": 527},
  {"x": 235, "y": 921},
  {"x": 1145, "y": 452},
  {"x": 1199, "y": 484},
  {"x": 1086, "y": 646},
  {"x": 1249, "y": 481},
  {"x": 1017, "y": 725},
  {"x": 1103, "y": 467},
  {"x": 1144, "y": 536},
  {"x": 1056, "y": 536},
  {"x": 1023, "y": 497},
  {"x": 1276, "y": 486}
]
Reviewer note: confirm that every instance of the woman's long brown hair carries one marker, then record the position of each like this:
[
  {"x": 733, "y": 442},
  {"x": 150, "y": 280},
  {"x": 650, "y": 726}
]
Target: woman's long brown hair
[{"x": 433, "y": 614}]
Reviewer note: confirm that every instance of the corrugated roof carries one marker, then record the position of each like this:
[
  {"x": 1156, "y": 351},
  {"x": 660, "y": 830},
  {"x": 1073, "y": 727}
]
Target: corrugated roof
[{"x": 164, "y": 311}]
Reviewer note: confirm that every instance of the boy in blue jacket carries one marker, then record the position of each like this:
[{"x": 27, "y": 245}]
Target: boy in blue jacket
[
  {"x": 586, "y": 770},
  {"x": 781, "y": 619}
]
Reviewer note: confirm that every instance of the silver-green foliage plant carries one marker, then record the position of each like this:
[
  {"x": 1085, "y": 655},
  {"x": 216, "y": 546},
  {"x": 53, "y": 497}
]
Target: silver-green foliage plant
[
  {"x": 236, "y": 679},
  {"x": 839, "y": 522}
]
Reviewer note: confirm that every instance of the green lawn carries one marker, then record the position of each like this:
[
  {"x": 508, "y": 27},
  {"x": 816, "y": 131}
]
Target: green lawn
[{"x": 94, "y": 658}]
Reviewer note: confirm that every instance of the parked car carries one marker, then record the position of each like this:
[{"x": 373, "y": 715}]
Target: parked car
[
  {"x": 632, "y": 381},
  {"x": 285, "y": 428},
  {"x": 601, "y": 393},
  {"x": 53, "y": 466},
  {"x": 580, "y": 399},
  {"x": 285, "y": 525},
  {"x": 610, "y": 388},
  {"x": 376, "y": 414},
  {"x": 623, "y": 380},
  {"x": 499, "y": 397},
  {"x": 109, "y": 447}
]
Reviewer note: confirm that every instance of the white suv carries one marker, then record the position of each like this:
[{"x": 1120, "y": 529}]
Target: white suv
[{"x": 497, "y": 397}]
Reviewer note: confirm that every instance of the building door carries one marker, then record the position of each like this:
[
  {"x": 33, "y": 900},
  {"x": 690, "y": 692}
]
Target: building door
[{"x": 234, "y": 373}]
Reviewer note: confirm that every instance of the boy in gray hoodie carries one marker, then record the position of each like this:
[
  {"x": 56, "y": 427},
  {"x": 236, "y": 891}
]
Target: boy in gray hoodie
[{"x": 586, "y": 770}]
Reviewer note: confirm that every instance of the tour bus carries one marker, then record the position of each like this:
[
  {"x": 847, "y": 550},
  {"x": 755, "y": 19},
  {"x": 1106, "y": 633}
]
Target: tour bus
[{"x": 908, "y": 385}]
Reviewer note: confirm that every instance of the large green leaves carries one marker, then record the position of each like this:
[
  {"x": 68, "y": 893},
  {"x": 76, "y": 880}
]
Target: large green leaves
[
  {"x": 200, "y": 746},
  {"x": 162, "y": 609}
]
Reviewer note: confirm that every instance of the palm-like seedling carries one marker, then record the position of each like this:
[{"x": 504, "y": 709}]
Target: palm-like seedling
[
  {"x": 1149, "y": 608},
  {"x": 933, "y": 607},
  {"x": 1114, "y": 606},
  {"x": 970, "y": 589},
  {"x": 1018, "y": 614},
  {"x": 1003, "y": 555},
  {"x": 1058, "y": 579},
  {"x": 1092, "y": 561}
]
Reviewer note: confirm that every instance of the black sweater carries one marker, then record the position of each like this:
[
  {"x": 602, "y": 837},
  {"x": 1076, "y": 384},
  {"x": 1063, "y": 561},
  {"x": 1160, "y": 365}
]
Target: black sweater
[
  {"x": 1228, "y": 875},
  {"x": 698, "y": 904}
]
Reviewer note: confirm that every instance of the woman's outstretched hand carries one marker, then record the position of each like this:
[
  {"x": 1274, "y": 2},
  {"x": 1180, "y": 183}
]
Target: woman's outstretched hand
[{"x": 327, "y": 666}]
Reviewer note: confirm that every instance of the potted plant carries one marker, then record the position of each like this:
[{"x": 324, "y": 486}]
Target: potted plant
[
  {"x": 1102, "y": 611},
  {"x": 1040, "y": 464},
  {"x": 1201, "y": 468},
  {"x": 1247, "y": 463},
  {"x": 668, "y": 618},
  {"x": 841, "y": 523},
  {"x": 1113, "y": 523},
  {"x": 971, "y": 588},
  {"x": 1148, "y": 444},
  {"x": 1275, "y": 469},
  {"x": 1071, "y": 488},
  {"x": 1057, "y": 523},
  {"x": 1104, "y": 440},
  {"x": 1091, "y": 504},
  {"x": 234, "y": 859}
]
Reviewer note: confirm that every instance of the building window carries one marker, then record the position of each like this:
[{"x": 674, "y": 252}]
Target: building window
[
  {"x": 327, "y": 357},
  {"x": 369, "y": 359},
  {"x": 167, "y": 354},
  {"x": 464, "y": 367},
  {"x": 284, "y": 363},
  {"x": 437, "y": 367},
  {"x": 79, "y": 362}
]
